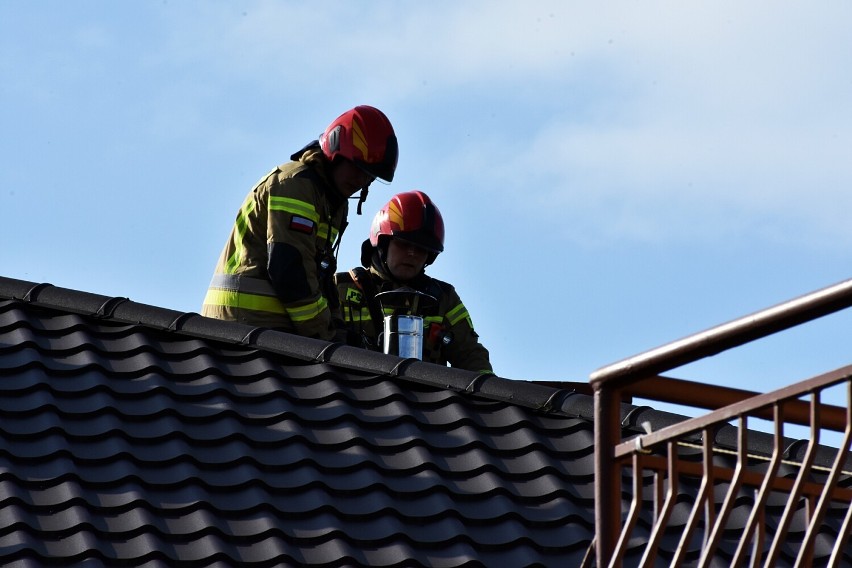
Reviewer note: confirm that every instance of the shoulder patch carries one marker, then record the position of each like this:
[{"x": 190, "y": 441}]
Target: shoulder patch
[
  {"x": 302, "y": 225},
  {"x": 354, "y": 296}
]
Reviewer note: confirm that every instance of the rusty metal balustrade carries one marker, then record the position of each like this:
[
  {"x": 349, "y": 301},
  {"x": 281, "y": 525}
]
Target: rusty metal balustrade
[{"x": 689, "y": 452}]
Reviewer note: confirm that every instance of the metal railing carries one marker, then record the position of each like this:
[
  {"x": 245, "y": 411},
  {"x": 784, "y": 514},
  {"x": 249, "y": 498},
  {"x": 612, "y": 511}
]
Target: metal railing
[{"x": 711, "y": 457}]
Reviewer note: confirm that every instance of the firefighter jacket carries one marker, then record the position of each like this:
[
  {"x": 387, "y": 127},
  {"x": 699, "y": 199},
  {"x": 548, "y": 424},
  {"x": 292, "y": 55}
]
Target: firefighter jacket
[
  {"x": 448, "y": 331},
  {"x": 276, "y": 270}
]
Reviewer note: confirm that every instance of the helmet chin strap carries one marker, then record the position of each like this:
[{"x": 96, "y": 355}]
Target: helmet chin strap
[{"x": 362, "y": 197}]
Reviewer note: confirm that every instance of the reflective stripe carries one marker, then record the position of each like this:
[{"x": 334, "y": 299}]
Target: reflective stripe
[
  {"x": 239, "y": 283},
  {"x": 361, "y": 315},
  {"x": 364, "y": 315},
  {"x": 294, "y": 206},
  {"x": 303, "y": 209},
  {"x": 236, "y": 291},
  {"x": 308, "y": 312},
  {"x": 457, "y": 314},
  {"x": 322, "y": 232},
  {"x": 240, "y": 228},
  {"x": 234, "y": 299}
]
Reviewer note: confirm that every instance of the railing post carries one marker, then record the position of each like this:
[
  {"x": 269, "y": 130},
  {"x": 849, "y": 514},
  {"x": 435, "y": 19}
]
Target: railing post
[
  {"x": 608, "y": 382},
  {"x": 607, "y": 476}
]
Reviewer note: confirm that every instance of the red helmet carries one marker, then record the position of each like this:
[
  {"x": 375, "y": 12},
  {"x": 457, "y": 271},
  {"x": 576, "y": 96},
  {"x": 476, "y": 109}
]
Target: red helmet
[
  {"x": 365, "y": 136},
  {"x": 412, "y": 217}
]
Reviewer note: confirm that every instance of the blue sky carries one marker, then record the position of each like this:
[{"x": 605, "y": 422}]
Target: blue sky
[{"x": 613, "y": 176}]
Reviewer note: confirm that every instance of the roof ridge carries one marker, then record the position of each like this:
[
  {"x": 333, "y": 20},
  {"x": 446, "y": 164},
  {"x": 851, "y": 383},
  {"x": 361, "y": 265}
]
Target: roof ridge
[
  {"x": 542, "y": 397},
  {"x": 549, "y": 397}
]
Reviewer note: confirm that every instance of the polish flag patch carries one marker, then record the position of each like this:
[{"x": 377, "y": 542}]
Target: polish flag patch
[{"x": 302, "y": 225}]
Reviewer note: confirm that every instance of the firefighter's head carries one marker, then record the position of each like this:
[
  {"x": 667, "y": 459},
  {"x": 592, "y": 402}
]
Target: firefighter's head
[
  {"x": 408, "y": 234},
  {"x": 362, "y": 137}
]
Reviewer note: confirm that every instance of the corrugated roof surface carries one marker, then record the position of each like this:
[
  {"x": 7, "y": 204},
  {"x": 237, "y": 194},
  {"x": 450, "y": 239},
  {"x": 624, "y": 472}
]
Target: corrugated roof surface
[{"x": 138, "y": 435}]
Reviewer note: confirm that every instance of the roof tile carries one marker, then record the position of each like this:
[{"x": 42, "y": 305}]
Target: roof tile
[{"x": 138, "y": 435}]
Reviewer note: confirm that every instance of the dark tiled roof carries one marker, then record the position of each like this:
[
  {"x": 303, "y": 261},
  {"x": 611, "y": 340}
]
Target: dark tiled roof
[{"x": 139, "y": 435}]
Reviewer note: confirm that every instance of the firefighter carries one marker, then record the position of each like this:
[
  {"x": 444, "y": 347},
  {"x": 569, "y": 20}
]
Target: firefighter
[
  {"x": 277, "y": 267},
  {"x": 406, "y": 235}
]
